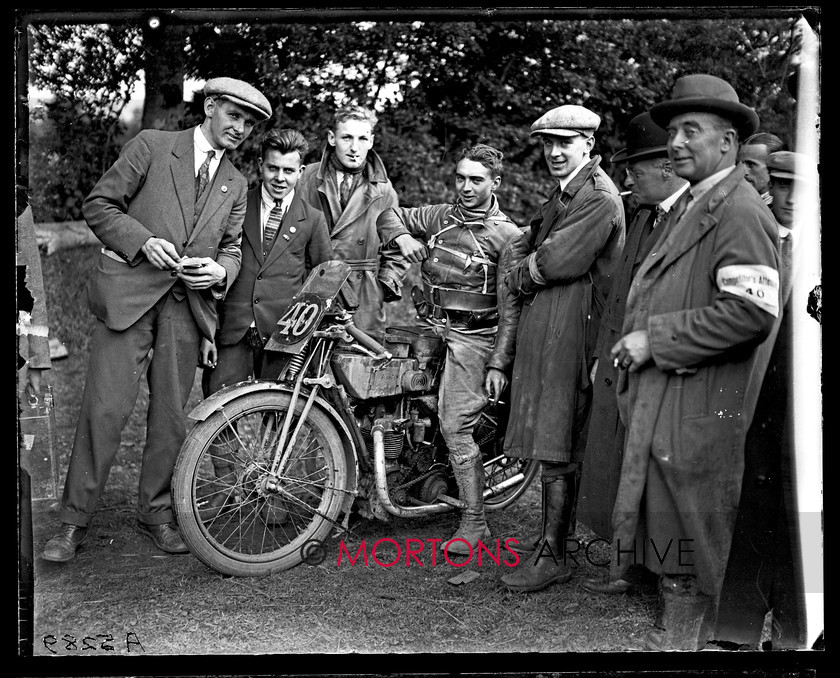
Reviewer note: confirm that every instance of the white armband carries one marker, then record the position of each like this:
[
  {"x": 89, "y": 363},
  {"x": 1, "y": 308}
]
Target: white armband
[{"x": 754, "y": 282}]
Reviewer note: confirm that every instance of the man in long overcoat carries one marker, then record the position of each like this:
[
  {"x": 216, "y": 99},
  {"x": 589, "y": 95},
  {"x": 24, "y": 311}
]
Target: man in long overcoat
[
  {"x": 351, "y": 187},
  {"x": 700, "y": 305},
  {"x": 656, "y": 187},
  {"x": 576, "y": 239}
]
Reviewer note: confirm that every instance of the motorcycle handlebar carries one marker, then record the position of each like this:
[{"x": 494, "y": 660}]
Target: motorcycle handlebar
[{"x": 367, "y": 341}]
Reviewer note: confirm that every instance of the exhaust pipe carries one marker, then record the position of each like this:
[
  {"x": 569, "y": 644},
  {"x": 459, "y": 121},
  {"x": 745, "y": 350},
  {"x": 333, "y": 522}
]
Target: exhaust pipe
[{"x": 381, "y": 481}]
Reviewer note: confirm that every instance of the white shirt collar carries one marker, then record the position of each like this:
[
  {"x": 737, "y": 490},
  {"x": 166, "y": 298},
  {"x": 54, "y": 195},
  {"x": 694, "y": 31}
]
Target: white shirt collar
[
  {"x": 201, "y": 148},
  {"x": 784, "y": 232},
  {"x": 269, "y": 202},
  {"x": 668, "y": 203},
  {"x": 700, "y": 189},
  {"x": 565, "y": 180}
]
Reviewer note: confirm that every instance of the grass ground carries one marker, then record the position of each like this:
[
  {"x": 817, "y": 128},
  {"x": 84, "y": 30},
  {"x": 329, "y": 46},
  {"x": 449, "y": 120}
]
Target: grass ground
[{"x": 121, "y": 591}]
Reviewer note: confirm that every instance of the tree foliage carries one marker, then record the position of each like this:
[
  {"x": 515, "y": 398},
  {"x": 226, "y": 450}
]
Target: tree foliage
[
  {"x": 74, "y": 137},
  {"x": 441, "y": 86}
]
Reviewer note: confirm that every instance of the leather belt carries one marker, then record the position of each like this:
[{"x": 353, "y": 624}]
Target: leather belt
[{"x": 459, "y": 300}]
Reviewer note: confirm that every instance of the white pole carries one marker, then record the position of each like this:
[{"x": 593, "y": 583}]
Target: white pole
[{"x": 807, "y": 343}]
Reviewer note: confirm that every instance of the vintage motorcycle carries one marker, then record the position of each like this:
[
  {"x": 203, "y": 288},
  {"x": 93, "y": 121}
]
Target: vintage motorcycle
[{"x": 346, "y": 425}]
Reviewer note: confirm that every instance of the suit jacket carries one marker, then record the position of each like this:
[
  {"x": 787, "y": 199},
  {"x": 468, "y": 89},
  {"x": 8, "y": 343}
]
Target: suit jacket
[
  {"x": 266, "y": 284},
  {"x": 150, "y": 192}
]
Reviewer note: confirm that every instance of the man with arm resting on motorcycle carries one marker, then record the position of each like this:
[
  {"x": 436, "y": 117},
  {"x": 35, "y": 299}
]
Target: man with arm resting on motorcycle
[{"x": 466, "y": 249}]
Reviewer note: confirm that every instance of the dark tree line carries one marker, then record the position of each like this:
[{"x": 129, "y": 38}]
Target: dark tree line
[{"x": 438, "y": 86}]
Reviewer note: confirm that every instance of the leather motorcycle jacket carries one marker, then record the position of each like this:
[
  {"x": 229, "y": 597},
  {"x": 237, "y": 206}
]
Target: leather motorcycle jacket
[{"x": 463, "y": 275}]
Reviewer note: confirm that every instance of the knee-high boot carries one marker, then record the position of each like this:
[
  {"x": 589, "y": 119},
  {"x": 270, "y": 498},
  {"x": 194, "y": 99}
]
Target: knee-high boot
[
  {"x": 473, "y": 527},
  {"x": 547, "y": 563}
]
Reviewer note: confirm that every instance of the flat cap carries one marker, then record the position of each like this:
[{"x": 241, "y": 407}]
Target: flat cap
[
  {"x": 790, "y": 165},
  {"x": 567, "y": 121},
  {"x": 241, "y": 93}
]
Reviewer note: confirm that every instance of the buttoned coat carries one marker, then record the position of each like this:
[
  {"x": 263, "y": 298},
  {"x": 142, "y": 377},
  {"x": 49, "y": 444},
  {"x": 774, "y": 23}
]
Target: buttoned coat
[
  {"x": 687, "y": 411},
  {"x": 354, "y": 237},
  {"x": 576, "y": 238},
  {"x": 133, "y": 201},
  {"x": 266, "y": 284}
]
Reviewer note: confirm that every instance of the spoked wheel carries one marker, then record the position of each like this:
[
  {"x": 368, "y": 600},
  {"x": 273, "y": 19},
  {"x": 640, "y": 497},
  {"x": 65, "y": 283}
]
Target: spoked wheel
[
  {"x": 498, "y": 467},
  {"x": 234, "y": 515}
]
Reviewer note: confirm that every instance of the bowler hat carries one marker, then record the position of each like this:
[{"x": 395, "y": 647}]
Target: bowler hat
[
  {"x": 567, "y": 121},
  {"x": 705, "y": 93},
  {"x": 240, "y": 93},
  {"x": 790, "y": 165},
  {"x": 645, "y": 139}
]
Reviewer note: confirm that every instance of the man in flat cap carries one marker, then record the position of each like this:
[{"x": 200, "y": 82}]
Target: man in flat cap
[
  {"x": 762, "y": 573},
  {"x": 699, "y": 306},
  {"x": 575, "y": 241},
  {"x": 651, "y": 178},
  {"x": 351, "y": 187},
  {"x": 169, "y": 213}
]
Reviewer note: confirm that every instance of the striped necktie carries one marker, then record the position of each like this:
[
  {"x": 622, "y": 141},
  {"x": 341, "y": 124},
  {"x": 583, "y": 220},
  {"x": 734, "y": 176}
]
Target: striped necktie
[
  {"x": 275, "y": 217},
  {"x": 203, "y": 176}
]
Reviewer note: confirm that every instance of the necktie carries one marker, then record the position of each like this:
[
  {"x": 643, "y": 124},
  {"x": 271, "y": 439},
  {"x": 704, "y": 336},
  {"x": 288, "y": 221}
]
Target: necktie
[
  {"x": 786, "y": 252},
  {"x": 272, "y": 226},
  {"x": 660, "y": 216},
  {"x": 345, "y": 188},
  {"x": 203, "y": 176}
]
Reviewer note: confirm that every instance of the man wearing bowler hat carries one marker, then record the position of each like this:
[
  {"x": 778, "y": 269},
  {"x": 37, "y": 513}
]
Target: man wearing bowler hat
[
  {"x": 651, "y": 178},
  {"x": 169, "y": 213},
  {"x": 762, "y": 573},
  {"x": 699, "y": 306},
  {"x": 575, "y": 241}
]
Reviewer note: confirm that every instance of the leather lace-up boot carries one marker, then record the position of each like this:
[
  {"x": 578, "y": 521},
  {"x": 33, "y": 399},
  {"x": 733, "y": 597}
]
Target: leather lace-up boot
[
  {"x": 547, "y": 564},
  {"x": 63, "y": 545},
  {"x": 473, "y": 527}
]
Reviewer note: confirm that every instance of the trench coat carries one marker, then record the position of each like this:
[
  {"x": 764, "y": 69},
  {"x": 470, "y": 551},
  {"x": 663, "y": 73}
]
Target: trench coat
[
  {"x": 605, "y": 432},
  {"x": 708, "y": 296},
  {"x": 576, "y": 239},
  {"x": 354, "y": 237}
]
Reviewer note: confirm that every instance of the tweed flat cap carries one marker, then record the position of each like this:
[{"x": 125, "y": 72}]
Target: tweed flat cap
[
  {"x": 703, "y": 93},
  {"x": 645, "y": 139},
  {"x": 567, "y": 121},
  {"x": 241, "y": 93},
  {"x": 790, "y": 165}
]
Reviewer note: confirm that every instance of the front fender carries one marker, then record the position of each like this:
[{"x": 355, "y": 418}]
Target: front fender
[{"x": 223, "y": 396}]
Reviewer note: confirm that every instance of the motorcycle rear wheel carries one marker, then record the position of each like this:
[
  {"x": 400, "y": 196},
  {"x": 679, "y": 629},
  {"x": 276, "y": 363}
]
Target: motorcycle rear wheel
[
  {"x": 505, "y": 468},
  {"x": 236, "y": 518}
]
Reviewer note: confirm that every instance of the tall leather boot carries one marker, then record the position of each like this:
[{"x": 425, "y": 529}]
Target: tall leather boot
[
  {"x": 473, "y": 527},
  {"x": 547, "y": 564},
  {"x": 681, "y": 624}
]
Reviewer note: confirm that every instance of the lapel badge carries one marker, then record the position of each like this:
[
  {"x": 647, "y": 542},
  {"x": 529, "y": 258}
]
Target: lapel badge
[
  {"x": 292, "y": 229},
  {"x": 286, "y": 237},
  {"x": 224, "y": 189}
]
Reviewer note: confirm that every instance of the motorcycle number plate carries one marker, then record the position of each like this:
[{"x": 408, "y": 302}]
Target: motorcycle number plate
[{"x": 298, "y": 322}]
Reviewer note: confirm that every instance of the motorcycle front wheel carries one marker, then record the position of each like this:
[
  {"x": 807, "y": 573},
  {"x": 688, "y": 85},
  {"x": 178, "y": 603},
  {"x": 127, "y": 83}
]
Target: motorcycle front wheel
[{"x": 234, "y": 515}]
